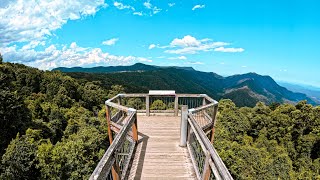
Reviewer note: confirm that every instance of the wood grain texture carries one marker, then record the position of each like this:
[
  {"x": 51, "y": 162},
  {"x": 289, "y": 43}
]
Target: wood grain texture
[{"x": 158, "y": 154}]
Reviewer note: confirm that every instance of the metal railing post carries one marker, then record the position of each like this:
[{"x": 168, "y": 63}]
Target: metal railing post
[
  {"x": 147, "y": 105},
  {"x": 184, "y": 126}
]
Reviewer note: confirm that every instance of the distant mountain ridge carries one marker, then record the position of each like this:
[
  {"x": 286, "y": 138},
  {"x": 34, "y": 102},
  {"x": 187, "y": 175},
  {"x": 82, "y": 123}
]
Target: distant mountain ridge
[
  {"x": 108, "y": 69},
  {"x": 243, "y": 89},
  {"x": 312, "y": 92}
]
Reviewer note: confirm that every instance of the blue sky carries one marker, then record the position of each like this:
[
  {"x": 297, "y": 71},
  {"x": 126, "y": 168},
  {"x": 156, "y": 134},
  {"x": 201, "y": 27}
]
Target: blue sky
[{"x": 276, "y": 38}]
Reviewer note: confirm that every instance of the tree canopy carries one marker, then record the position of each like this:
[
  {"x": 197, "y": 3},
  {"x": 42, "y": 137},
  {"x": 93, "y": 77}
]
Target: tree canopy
[{"x": 53, "y": 127}]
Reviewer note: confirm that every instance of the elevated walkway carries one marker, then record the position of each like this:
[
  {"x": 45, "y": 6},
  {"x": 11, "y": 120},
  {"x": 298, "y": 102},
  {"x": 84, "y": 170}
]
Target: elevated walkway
[{"x": 161, "y": 135}]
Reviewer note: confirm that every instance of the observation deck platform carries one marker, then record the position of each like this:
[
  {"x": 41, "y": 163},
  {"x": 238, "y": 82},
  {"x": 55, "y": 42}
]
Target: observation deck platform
[
  {"x": 161, "y": 135},
  {"x": 158, "y": 154}
]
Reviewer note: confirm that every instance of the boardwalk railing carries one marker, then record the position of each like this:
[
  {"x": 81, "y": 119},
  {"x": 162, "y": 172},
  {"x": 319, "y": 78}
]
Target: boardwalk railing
[
  {"x": 123, "y": 136},
  {"x": 197, "y": 132}
]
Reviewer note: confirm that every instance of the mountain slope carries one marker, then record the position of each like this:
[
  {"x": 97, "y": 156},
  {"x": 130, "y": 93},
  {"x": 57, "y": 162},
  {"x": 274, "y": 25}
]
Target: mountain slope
[{"x": 244, "y": 90}]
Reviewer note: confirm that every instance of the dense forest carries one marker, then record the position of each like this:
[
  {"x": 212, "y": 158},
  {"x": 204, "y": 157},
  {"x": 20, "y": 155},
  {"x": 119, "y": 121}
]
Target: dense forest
[{"x": 53, "y": 127}]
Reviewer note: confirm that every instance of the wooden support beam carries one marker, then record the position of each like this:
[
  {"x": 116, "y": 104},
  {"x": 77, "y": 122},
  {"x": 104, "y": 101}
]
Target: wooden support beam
[
  {"x": 115, "y": 169},
  {"x": 135, "y": 128},
  {"x": 214, "y": 118},
  {"x": 108, "y": 118}
]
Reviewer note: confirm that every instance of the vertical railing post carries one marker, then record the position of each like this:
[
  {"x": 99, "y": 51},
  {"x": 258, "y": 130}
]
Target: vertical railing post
[
  {"x": 176, "y": 105},
  {"x": 115, "y": 168},
  {"x": 119, "y": 100},
  {"x": 184, "y": 126},
  {"x": 214, "y": 118},
  {"x": 147, "y": 105},
  {"x": 204, "y": 102},
  {"x": 108, "y": 118},
  {"x": 134, "y": 125},
  {"x": 206, "y": 168}
]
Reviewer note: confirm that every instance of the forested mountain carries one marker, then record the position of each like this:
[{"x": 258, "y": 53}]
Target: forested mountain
[
  {"x": 244, "y": 90},
  {"x": 53, "y": 126},
  {"x": 102, "y": 69}
]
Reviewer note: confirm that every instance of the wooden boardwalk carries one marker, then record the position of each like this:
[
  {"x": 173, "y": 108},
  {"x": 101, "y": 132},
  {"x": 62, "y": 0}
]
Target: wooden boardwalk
[{"x": 158, "y": 154}]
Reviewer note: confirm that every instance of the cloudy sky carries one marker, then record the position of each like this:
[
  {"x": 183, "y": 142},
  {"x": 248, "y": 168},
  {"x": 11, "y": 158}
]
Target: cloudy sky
[{"x": 269, "y": 37}]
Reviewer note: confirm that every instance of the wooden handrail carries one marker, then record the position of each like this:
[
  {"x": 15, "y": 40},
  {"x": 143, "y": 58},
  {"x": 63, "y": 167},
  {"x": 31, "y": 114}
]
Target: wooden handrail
[
  {"x": 218, "y": 163},
  {"x": 108, "y": 158},
  {"x": 194, "y": 110}
]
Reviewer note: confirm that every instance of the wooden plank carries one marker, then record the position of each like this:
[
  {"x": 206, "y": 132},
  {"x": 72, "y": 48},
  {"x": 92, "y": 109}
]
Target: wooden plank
[
  {"x": 135, "y": 95},
  {"x": 117, "y": 106},
  {"x": 113, "y": 98},
  {"x": 161, "y": 111},
  {"x": 158, "y": 154},
  {"x": 194, "y": 110},
  {"x": 189, "y": 95}
]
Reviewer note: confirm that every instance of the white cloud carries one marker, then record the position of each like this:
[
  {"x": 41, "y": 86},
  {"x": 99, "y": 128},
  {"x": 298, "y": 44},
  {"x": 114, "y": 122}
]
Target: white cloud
[
  {"x": 171, "y": 4},
  {"x": 228, "y": 50},
  {"x": 33, "y": 44},
  {"x": 191, "y": 45},
  {"x": 138, "y": 13},
  {"x": 154, "y": 9},
  {"x": 147, "y": 4},
  {"x": 121, "y": 6},
  {"x": 68, "y": 56},
  {"x": 186, "y": 41},
  {"x": 198, "y": 6},
  {"x": 26, "y": 21},
  {"x": 151, "y": 46},
  {"x": 243, "y": 66},
  {"x": 110, "y": 42},
  {"x": 178, "y": 58}
]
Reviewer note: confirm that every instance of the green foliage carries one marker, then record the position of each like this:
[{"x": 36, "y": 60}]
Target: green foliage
[
  {"x": 61, "y": 125},
  {"x": 20, "y": 158},
  {"x": 276, "y": 142},
  {"x": 115, "y": 89},
  {"x": 1, "y": 59},
  {"x": 158, "y": 105},
  {"x": 136, "y": 103},
  {"x": 14, "y": 117}
]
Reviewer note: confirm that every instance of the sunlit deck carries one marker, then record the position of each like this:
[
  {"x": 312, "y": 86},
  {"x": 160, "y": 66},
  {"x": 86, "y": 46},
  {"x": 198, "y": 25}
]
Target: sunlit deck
[
  {"x": 158, "y": 154},
  {"x": 161, "y": 135}
]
